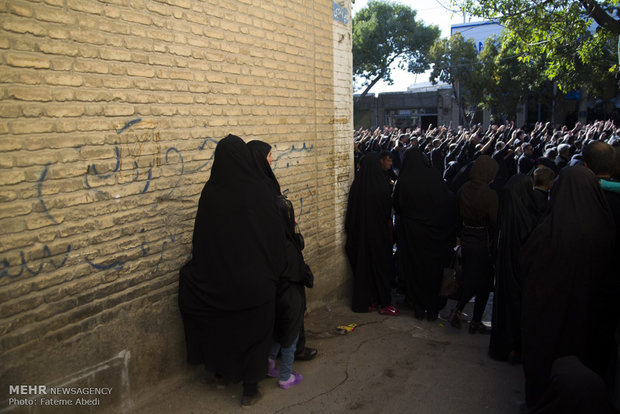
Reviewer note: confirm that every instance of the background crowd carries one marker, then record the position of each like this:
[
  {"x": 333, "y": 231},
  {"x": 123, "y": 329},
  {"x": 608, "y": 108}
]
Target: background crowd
[{"x": 533, "y": 217}]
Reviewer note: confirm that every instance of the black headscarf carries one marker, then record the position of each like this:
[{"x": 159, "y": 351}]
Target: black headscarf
[
  {"x": 478, "y": 203},
  {"x": 422, "y": 195},
  {"x": 563, "y": 262},
  {"x": 518, "y": 216},
  {"x": 237, "y": 215},
  {"x": 238, "y": 253},
  {"x": 259, "y": 151},
  {"x": 367, "y": 224}
]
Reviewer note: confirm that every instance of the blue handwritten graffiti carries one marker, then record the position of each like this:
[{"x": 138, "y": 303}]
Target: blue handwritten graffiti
[
  {"x": 97, "y": 175},
  {"x": 93, "y": 168},
  {"x": 5, "y": 265},
  {"x": 202, "y": 148},
  {"x": 118, "y": 265},
  {"x": 116, "y": 167},
  {"x": 128, "y": 125},
  {"x": 173, "y": 150},
  {"x": 290, "y": 151},
  {"x": 40, "y": 193},
  {"x": 300, "y": 212},
  {"x": 301, "y": 202},
  {"x": 148, "y": 178},
  {"x": 115, "y": 170},
  {"x": 94, "y": 172}
]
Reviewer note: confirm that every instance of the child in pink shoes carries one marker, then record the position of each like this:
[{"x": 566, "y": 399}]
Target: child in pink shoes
[{"x": 287, "y": 377}]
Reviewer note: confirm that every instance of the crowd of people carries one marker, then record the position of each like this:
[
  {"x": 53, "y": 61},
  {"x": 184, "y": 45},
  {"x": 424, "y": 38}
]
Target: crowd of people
[{"x": 533, "y": 216}]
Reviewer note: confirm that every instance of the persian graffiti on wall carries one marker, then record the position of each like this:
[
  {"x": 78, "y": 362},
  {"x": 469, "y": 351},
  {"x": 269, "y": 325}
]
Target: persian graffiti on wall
[{"x": 136, "y": 161}]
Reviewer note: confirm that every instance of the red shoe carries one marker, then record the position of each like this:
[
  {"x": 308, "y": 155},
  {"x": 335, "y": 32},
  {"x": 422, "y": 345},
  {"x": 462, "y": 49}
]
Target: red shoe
[
  {"x": 372, "y": 307},
  {"x": 390, "y": 311}
]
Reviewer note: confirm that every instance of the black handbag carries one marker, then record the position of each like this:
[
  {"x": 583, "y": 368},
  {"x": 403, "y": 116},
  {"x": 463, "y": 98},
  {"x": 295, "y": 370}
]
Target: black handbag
[{"x": 451, "y": 282}]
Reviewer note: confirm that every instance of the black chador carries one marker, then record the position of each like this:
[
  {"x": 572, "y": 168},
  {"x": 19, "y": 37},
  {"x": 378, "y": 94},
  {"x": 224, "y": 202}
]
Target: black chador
[
  {"x": 369, "y": 241},
  {"x": 428, "y": 213},
  {"x": 291, "y": 294},
  {"x": 564, "y": 262},
  {"x": 518, "y": 215},
  {"x": 227, "y": 291}
]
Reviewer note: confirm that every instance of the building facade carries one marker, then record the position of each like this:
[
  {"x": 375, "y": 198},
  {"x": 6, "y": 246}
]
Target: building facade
[
  {"x": 110, "y": 115},
  {"x": 416, "y": 107}
]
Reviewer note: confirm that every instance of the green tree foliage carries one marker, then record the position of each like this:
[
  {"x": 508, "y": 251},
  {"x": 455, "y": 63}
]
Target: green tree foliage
[
  {"x": 385, "y": 33},
  {"x": 507, "y": 81},
  {"x": 578, "y": 39},
  {"x": 455, "y": 61}
]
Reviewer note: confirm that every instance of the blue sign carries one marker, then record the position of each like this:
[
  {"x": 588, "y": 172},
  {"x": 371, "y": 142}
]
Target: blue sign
[{"x": 341, "y": 13}]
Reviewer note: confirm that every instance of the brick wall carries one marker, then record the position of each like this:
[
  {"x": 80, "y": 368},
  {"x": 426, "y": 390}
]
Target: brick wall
[{"x": 109, "y": 114}]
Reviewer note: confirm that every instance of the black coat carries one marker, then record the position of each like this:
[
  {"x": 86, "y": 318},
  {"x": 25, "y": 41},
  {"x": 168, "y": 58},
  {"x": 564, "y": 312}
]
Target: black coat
[{"x": 525, "y": 164}]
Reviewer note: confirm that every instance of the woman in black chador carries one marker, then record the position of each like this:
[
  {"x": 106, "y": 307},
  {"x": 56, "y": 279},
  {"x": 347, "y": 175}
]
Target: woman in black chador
[
  {"x": 427, "y": 211},
  {"x": 369, "y": 240},
  {"x": 478, "y": 205},
  {"x": 564, "y": 262},
  {"x": 518, "y": 215},
  {"x": 291, "y": 293},
  {"x": 227, "y": 291}
]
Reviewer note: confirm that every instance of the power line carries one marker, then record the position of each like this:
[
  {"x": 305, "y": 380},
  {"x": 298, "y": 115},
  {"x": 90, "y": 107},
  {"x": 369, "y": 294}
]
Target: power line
[{"x": 447, "y": 8}]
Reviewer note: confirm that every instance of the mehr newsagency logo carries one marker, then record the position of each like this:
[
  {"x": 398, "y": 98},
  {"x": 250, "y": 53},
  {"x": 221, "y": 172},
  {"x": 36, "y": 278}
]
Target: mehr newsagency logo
[{"x": 42, "y": 395}]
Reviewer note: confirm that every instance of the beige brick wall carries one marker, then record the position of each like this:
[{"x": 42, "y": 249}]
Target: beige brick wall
[{"x": 109, "y": 114}]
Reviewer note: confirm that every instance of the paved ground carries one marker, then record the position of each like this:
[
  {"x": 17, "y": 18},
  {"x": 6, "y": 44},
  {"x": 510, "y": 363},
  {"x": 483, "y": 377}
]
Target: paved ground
[{"x": 387, "y": 365}]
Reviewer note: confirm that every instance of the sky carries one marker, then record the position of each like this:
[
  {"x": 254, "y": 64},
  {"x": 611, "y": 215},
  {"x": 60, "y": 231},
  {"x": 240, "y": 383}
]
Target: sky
[{"x": 431, "y": 12}]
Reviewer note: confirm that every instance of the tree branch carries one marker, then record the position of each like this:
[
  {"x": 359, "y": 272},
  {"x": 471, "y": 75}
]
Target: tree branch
[
  {"x": 601, "y": 17},
  {"x": 374, "y": 81},
  {"x": 521, "y": 12}
]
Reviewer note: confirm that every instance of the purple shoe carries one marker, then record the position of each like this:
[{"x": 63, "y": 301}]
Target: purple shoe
[
  {"x": 294, "y": 379},
  {"x": 272, "y": 371}
]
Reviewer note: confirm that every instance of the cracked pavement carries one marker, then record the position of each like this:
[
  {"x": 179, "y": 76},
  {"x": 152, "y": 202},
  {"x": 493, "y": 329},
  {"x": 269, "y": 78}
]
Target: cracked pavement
[{"x": 387, "y": 364}]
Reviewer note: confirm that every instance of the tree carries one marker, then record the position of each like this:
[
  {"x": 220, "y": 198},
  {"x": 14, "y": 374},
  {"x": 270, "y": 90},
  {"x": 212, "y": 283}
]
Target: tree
[
  {"x": 578, "y": 39},
  {"x": 385, "y": 33},
  {"x": 508, "y": 82},
  {"x": 455, "y": 61}
]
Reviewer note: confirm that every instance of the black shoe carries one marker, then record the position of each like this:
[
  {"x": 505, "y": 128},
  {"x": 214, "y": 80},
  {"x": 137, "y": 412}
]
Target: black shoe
[
  {"x": 478, "y": 327},
  {"x": 306, "y": 354},
  {"x": 455, "y": 319},
  {"x": 249, "y": 400}
]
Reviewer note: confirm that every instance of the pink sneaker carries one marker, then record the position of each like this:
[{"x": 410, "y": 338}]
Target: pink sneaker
[
  {"x": 272, "y": 371},
  {"x": 390, "y": 311},
  {"x": 294, "y": 379}
]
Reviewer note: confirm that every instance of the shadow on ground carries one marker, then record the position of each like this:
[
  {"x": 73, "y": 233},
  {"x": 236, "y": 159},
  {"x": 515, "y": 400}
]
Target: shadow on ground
[{"x": 388, "y": 364}]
